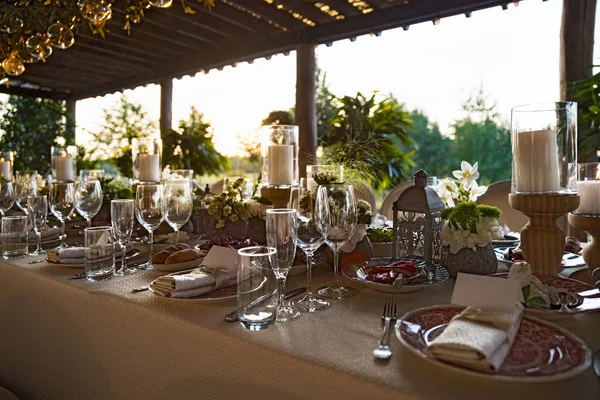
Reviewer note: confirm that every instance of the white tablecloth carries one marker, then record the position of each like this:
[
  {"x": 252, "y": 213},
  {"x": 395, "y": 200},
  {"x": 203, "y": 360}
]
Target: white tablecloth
[{"x": 74, "y": 339}]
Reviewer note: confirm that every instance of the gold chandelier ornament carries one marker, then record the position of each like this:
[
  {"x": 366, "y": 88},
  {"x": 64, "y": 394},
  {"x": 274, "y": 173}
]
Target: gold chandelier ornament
[
  {"x": 13, "y": 65},
  {"x": 60, "y": 36},
  {"x": 94, "y": 10},
  {"x": 39, "y": 46},
  {"x": 161, "y": 3},
  {"x": 25, "y": 55}
]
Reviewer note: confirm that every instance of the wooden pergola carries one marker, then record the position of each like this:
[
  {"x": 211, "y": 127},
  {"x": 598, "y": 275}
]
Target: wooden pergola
[{"x": 170, "y": 44}]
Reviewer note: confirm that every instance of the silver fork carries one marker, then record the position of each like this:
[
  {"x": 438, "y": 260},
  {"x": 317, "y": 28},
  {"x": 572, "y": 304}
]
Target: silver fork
[{"x": 389, "y": 314}]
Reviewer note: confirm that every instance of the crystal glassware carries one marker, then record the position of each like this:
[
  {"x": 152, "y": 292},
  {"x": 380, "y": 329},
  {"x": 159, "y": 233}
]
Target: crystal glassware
[
  {"x": 25, "y": 185},
  {"x": 177, "y": 204},
  {"x": 99, "y": 253},
  {"x": 7, "y": 197},
  {"x": 14, "y": 236},
  {"x": 343, "y": 218},
  {"x": 312, "y": 219},
  {"x": 61, "y": 199},
  {"x": 122, "y": 215},
  {"x": 149, "y": 213},
  {"x": 324, "y": 174},
  {"x": 88, "y": 198},
  {"x": 38, "y": 214},
  {"x": 282, "y": 236}
]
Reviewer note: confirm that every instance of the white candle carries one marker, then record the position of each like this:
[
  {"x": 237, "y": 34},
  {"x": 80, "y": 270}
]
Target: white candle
[
  {"x": 64, "y": 168},
  {"x": 6, "y": 170},
  {"x": 536, "y": 161},
  {"x": 149, "y": 167},
  {"x": 281, "y": 164},
  {"x": 589, "y": 197}
]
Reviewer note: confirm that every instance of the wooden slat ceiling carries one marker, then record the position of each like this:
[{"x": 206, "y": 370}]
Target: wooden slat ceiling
[{"x": 170, "y": 44}]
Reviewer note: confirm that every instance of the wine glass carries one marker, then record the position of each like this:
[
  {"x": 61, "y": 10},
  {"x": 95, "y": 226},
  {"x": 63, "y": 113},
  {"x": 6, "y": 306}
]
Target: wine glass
[
  {"x": 122, "y": 214},
  {"x": 343, "y": 218},
  {"x": 7, "y": 197},
  {"x": 312, "y": 218},
  {"x": 177, "y": 206},
  {"x": 26, "y": 185},
  {"x": 88, "y": 198},
  {"x": 38, "y": 214},
  {"x": 149, "y": 212},
  {"x": 282, "y": 234},
  {"x": 61, "y": 199}
]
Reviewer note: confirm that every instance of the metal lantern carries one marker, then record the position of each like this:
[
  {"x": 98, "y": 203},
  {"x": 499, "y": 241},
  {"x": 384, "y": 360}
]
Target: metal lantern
[{"x": 418, "y": 223}]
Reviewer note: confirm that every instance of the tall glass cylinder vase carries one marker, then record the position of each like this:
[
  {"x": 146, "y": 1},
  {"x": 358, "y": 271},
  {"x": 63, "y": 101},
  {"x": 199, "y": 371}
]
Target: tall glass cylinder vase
[
  {"x": 147, "y": 160},
  {"x": 324, "y": 175},
  {"x": 64, "y": 163},
  {"x": 279, "y": 150},
  {"x": 6, "y": 165}
]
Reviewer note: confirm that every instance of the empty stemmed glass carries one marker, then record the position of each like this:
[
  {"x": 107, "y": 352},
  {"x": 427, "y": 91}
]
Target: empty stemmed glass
[
  {"x": 343, "y": 216},
  {"x": 149, "y": 212},
  {"x": 61, "y": 199},
  {"x": 26, "y": 185},
  {"x": 282, "y": 235},
  {"x": 122, "y": 214},
  {"x": 88, "y": 198},
  {"x": 177, "y": 200},
  {"x": 38, "y": 214},
  {"x": 312, "y": 219},
  {"x": 7, "y": 197}
]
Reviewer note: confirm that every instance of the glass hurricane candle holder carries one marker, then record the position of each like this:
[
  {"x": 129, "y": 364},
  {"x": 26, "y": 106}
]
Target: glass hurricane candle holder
[
  {"x": 64, "y": 163},
  {"x": 588, "y": 189},
  {"x": 6, "y": 165},
  {"x": 279, "y": 151},
  {"x": 147, "y": 160}
]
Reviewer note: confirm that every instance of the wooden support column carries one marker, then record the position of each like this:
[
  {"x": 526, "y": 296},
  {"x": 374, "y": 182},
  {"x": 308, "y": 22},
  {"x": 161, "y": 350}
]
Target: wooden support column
[
  {"x": 71, "y": 105},
  {"x": 166, "y": 106},
  {"x": 306, "y": 110},
  {"x": 576, "y": 44}
]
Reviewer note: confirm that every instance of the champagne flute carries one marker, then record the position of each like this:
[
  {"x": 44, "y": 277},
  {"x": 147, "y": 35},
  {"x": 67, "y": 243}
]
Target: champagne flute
[
  {"x": 122, "y": 214},
  {"x": 7, "y": 197},
  {"x": 282, "y": 235},
  {"x": 312, "y": 220},
  {"x": 88, "y": 198},
  {"x": 343, "y": 218},
  {"x": 38, "y": 214},
  {"x": 149, "y": 212},
  {"x": 61, "y": 205},
  {"x": 177, "y": 204}
]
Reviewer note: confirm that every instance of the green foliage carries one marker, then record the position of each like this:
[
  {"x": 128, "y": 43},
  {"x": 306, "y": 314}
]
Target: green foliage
[
  {"x": 587, "y": 94},
  {"x": 466, "y": 215},
  {"x": 115, "y": 189},
  {"x": 380, "y": 234},
  {"x": 432, "y": 148},
  {"x": 489, "y": 211},
  {"x": 279, "y": 117},
  {"x": 29, "y": 127},
  {"x": 84, "y": 161},
  {"x": 191, "y": 147},
  {"x": 325, "y": 103},
  {"x": 384, "y": 124}
]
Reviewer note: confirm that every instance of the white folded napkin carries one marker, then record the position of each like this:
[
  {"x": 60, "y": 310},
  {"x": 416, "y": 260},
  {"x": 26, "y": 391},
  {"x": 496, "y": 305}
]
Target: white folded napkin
[
  {"x": 478, "y": 339},
  {"x": 47, "y": 234},
  {"x": 75, "y": 255},
  {"x": 195, "y": 283},
  {"x": 358, "y": 235}
]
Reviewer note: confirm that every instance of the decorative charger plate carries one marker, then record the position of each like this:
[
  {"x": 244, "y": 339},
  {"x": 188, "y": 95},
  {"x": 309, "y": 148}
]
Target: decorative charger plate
[
  {"x": 588, "y": 293},
  {"x": 129, "y": 256},
  {"x": 223, "y": 294},
  {"x": 178, "y": 266},
  {"x": 569, "y": 260},
  {"x": 541, "y": 351},
  {"x": 358, "y": 273}
]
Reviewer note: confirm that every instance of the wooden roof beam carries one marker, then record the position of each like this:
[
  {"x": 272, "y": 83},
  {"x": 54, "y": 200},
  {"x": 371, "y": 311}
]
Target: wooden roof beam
[
  {"x": 241, "y": 19},
  {"x": 271, "y": 13},
  {"x": 43, "y": 93},
  {"x": 306, "y": 10}
]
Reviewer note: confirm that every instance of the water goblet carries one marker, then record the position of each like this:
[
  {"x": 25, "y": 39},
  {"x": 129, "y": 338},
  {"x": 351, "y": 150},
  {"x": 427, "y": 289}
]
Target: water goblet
[
  {"x": 343, "y": 218},
  {"x": 149, "y": 212},
  {"x": 312, "y": 218},
  {"x": 177, "y": 204},
  {"x": 122, "y": 215},
  {"x": 7, "y": 197},
  {"x": 26, "y": 185},
  {"x": 88, "y": 198},
  {"x": 282, "y": 236},
  {"x": 38, "y": 214},
  {"x": 61, "y": 199}
]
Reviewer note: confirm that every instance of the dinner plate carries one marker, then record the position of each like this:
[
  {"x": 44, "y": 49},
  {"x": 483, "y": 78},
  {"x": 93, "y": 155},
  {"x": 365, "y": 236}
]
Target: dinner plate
[
  {"x": 117, "y": 259},
  {"x": 223, "y": 294},
  {"x": 588, "y": 293},
  {"x": 541, "y": 351},
  {"x": 569, "y": 260},
  {"x": 178, "y": 266},
  {"x": 358, "y": 273},
  {"x": 511, "y": 239}
]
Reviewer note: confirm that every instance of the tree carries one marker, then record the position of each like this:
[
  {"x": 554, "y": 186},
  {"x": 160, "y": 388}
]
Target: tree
[
  {"x": 29, "y": 127},
  {"x": 588, "y": 121},
  {"x": 191, "y": 147},
  {"x": 325, "y": 103},
  {"x": 433, "y": 149},
  {"x": 279, "y": 117}
]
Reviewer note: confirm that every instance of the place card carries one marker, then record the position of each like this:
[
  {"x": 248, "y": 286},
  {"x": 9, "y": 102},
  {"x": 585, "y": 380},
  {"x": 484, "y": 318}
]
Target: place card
[
  {"x": 487, "y": 292},
  {"x": 221, "y": 257}
]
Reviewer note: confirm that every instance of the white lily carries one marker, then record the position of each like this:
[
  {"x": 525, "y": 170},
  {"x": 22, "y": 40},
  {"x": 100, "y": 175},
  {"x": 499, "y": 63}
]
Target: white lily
[
  {"x": 467, "y": 174},
  {"x": 475, "y": 191},
  {"x": 447, "y": 190}
]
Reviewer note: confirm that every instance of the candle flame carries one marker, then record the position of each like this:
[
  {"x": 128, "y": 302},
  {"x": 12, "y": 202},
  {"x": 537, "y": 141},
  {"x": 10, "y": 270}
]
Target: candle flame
[{"x": 63, "y": 153}]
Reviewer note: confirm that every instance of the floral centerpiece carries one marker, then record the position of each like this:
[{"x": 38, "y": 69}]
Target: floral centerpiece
[
  {"x": 469, "y": 228},
  {"x": 358, "y": 248}
]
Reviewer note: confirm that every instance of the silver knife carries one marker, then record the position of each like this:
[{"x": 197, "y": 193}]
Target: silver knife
[{"x": 234, "y": 315}]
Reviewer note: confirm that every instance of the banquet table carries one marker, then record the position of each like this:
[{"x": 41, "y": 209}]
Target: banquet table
[{"x": 73, "y": 339}]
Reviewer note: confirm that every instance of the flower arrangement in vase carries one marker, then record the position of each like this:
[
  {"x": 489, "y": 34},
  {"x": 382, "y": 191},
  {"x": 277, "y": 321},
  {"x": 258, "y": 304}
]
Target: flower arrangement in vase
[{"x": 469, "y": 228}]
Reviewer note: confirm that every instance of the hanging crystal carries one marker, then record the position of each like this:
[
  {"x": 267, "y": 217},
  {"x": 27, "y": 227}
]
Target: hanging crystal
[
  {"x": 60, "y": 35},
  {"x": 39, "y": 46},
  {"x": 12, "y": 25},
  {"x": 161, "y": 3},
  {"x": 25, "y": 55},
  {"x": 13, "y": 65},
  {"x": 94, "y": 10}
]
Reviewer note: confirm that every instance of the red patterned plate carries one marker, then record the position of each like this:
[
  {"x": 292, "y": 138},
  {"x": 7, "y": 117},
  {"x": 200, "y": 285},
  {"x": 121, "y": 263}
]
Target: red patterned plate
[
  {"x": 542, "y": 351},
  {"x": 589, "y": 294}
]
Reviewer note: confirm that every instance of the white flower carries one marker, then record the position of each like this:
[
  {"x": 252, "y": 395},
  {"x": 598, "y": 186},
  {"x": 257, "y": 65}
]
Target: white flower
[
  {"x": 257, "y": 210},
  {"x": 467, "y": 174},
  {"x": 475, "y": 191},
  {"x": 447, "y": 190}
]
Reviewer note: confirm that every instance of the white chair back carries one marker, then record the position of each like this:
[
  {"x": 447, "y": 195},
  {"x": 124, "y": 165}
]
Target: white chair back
[
  {"x": 388, "y": 202},
  {"x": 497, "y": 195}
]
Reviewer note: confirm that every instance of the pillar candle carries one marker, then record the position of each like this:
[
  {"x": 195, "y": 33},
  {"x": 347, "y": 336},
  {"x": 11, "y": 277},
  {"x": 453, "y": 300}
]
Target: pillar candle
[
  {"x": 149, "y": 167},
  {"x": 281, "y": 164},
  {"x": 536, "y": 161},
  {"x": 6, "y": 170},
  {"x": 64, "y": 168},
  {"x": 589, "y": 197}
]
